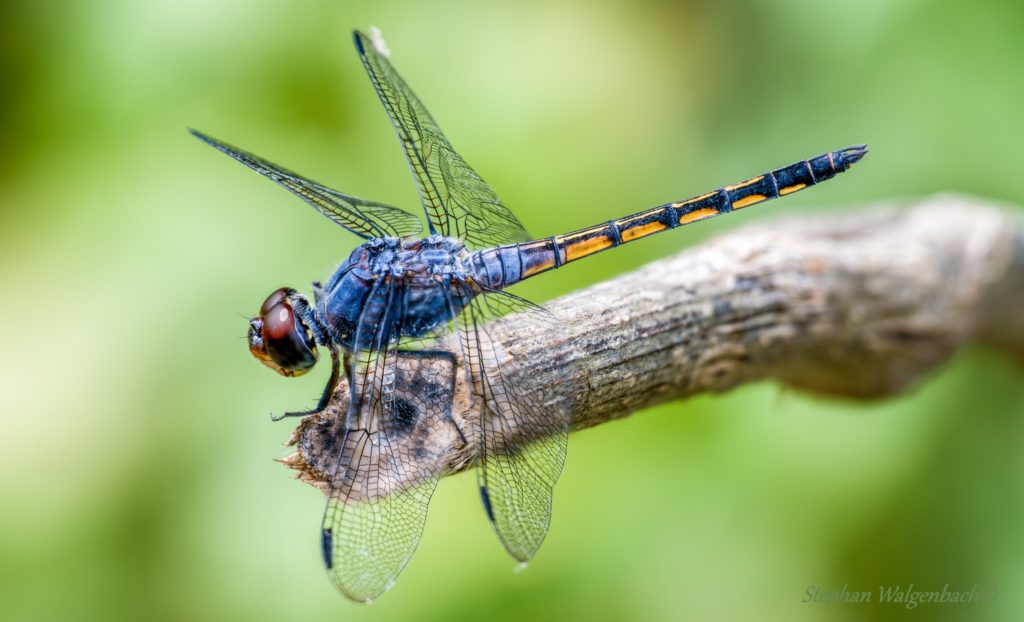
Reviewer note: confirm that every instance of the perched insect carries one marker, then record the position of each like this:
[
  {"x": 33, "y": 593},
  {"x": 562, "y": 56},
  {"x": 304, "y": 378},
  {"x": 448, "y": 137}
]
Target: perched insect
[{"x": 406, "y": 319}]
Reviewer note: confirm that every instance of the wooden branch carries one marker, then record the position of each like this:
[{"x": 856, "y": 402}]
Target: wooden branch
[{"x": 859, "y": 305}]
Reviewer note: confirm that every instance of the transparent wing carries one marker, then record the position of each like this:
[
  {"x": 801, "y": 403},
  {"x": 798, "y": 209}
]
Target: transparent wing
[
  {"x": 522, "y": 423},
  {"x": 457, "y": 201},
  {"x": 390, "y": 452},
  {"x": 367, "y": 219}
]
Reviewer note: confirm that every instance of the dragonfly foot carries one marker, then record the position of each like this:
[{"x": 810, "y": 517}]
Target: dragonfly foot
[{"x": 301, "y": 413}]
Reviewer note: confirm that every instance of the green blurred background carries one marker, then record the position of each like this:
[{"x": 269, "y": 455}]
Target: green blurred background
[{"x": 139, "y": 480}]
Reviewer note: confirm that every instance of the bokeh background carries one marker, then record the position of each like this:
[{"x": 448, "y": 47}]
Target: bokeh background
[{"x": 138, "y": 479}]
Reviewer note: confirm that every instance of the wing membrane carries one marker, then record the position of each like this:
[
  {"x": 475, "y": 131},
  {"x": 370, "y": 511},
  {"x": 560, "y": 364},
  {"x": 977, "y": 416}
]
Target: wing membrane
[
  {"x": 522, "y": 423},
  {"x": 390, "y": 454},
  {"x": 367, "y": 219},
  {"x": 457, "y": 201}
]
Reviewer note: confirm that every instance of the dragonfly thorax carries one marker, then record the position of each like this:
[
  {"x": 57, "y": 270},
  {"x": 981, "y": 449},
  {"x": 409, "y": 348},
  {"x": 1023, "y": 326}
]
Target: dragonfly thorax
[
  {"x": 435, "y": 256},
  {"x": 416, "y": 285}
]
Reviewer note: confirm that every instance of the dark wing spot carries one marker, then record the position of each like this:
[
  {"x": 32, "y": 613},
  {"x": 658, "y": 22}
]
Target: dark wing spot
[
  {"x": 486, "y": 497},
  {"x": 327, "y": 548}
]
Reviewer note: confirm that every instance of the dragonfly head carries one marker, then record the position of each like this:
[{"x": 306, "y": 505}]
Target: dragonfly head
[{"x": 280, "y": 337}]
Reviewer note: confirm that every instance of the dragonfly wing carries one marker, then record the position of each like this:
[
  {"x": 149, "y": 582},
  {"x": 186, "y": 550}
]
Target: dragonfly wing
[
  {"x": 367, "y": 219},
  {"x": 390, "y": 453},
  {"x": 367, "y": 543},
  {"x": 522, "y": 423},
  {"x": 457, "y": 201}
]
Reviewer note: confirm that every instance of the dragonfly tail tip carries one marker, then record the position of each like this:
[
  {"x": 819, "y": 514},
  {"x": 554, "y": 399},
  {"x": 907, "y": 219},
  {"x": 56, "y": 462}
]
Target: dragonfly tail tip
[{"x": 852, "y": 155}]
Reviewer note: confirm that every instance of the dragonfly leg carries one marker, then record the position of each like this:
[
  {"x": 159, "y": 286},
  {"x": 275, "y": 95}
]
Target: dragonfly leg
[{"x": 328, "y": 390}]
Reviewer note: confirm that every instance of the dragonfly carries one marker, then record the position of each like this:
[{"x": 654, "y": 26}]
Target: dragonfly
[{"x": 409, "y": 318}]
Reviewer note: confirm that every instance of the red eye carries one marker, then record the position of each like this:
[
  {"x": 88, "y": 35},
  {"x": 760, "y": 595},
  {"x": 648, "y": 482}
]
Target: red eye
[
  {"x": 278, "y": 322},
  {"x": 275, "y": 297},
  {"x": 279, "y": 338}
]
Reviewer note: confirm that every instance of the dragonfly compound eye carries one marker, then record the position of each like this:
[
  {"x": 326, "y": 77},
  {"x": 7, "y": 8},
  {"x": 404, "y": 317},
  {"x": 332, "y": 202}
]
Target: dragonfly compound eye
[
  {"x": 275, "y": 297},
  {"x": 279, "y": 339}
]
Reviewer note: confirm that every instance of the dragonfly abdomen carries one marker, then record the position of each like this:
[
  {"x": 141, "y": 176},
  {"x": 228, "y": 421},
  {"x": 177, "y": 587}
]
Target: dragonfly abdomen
[{"x": 505, "y": 265}]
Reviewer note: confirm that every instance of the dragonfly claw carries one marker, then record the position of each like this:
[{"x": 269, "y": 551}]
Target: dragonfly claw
[{"x": 301, "y": 413}]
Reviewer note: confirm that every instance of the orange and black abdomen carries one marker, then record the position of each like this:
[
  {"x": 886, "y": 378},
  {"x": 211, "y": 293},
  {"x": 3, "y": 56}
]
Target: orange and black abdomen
[{"x": 505, "y": 265}]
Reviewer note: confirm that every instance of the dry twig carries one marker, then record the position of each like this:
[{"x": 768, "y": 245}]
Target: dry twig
[{"x": 859, "y": 306}]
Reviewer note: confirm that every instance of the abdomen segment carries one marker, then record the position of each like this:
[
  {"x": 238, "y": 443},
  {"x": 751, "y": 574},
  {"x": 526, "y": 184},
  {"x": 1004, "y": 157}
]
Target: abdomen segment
[{"x": 505, "y": 265}]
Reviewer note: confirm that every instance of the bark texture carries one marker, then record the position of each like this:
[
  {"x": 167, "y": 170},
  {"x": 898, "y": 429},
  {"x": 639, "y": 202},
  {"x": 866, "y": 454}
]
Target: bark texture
[{"x": 858, "y": 306}]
